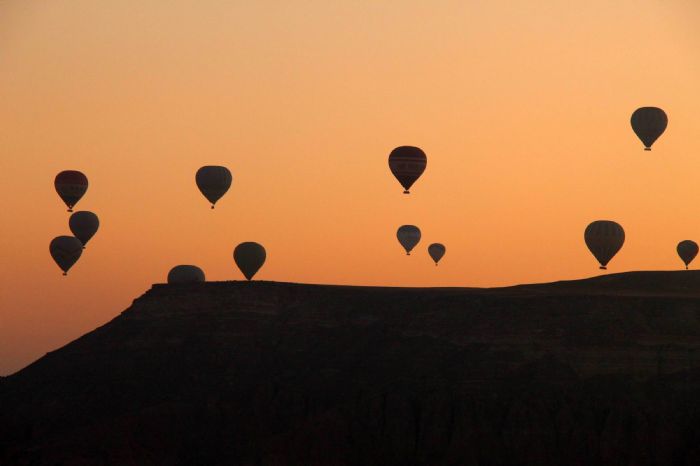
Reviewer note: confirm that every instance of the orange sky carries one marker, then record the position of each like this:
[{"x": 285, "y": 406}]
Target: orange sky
[{"x": 522, "y": 108}]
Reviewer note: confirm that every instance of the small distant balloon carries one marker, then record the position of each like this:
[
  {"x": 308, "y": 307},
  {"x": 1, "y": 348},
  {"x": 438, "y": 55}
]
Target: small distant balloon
[
  {"x": 249, "y": 257},
  {"x": 687, "y": 250},
  {"x": 436, "y": 251},
  {"x": 185, "y": 274},
  {"x": 213, "y": 182},
  {"x": 604, "y": 239},
  {"x": 71, "y": 185},
  {"x": 83, "y": 225},
  {"x": 407, "y": 163},
  {"x": 66, "y": 251},
  {"x": 648, "y": 124},
  {"x": 408, "y": 236}
]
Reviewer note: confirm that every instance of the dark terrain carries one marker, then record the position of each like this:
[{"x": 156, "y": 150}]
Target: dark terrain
[{"x": 604, "y": 371}]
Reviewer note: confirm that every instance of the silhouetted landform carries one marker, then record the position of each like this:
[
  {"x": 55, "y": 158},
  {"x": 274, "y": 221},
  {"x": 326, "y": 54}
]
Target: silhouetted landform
[{"x": 603, "y": 371}]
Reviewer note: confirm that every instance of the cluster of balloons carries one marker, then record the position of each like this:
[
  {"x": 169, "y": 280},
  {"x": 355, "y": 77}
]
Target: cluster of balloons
[
  {"x": 249, "y": 258},
  {"x": 409, "y": 236},
  {"x": 407, "y": 164},
  {"x": 605, "y": 238},
  {"x": 71, "y": 185},
  {"x": 213, "y": 182}
]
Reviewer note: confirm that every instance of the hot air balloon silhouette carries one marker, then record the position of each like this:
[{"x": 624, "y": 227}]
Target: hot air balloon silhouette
[
  {"x": 648, "y": 124},
  {"x": 185, "y": 274},
  {"x": 436, "y": 251},
  {"x": 604, "y": 238},
  {"x": 213, "y": 182},
  {"x": 66, "y": 251},
  {"x": 249, "y": 257},
  {"x": 83, "y": 225},
  {"x": 71, "y": 185},
  {"x": 407, "y": 163},
  {"x": 687, "y": 250},
  {"x": 408, "y": 236}
]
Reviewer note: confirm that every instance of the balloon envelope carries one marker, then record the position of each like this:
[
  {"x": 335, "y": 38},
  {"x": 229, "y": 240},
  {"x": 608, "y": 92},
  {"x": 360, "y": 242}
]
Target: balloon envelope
[
  {"x": 213, "y": 182},
  {"x": 185, "y": 274},
  {"x": 407, "y": 163},
  {"x": 604, "y": 239},
  {"x": 84, "y": 225},
  {"x": 70, "y": 186},
  {"x": 687, "y": 250},
  {"x": 436, "y": 251},
  {"x": 249, "y": 257},
  {"x": 66, "y": 251},
  {"x": 408, "y": 236},
  {"x": 648, "y": 124}
]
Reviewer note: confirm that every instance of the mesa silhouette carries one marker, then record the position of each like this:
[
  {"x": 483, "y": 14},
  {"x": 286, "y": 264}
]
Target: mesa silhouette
[{"x": 589, "y": 372}]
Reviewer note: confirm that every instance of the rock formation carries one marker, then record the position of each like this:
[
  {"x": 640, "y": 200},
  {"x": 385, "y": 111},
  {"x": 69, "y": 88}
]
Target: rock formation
[{"x": 604, "y": 371}]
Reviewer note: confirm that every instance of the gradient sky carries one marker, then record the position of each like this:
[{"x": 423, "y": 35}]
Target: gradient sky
[{"x": 522, "y": 108}]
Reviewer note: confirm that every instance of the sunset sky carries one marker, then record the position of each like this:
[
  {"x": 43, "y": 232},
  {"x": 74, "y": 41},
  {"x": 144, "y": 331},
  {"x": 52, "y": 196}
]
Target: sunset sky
[{"x": 522, "y": 107}]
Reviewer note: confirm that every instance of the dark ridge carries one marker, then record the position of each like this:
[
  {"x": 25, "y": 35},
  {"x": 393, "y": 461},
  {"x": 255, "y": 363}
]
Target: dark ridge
[{"x": 598, "y": 371}]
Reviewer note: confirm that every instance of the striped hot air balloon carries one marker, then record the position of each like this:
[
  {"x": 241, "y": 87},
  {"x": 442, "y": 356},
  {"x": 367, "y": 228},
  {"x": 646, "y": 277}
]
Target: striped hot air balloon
[
  {"x": 648, "y": 124},
  {"x": 407, "y": 163},
  {"x": 71, "y": 186},
  {"x": 604, "y": 239}
]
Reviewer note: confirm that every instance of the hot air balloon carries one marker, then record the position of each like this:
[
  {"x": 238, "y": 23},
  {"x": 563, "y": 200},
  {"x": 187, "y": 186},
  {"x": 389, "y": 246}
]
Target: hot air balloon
[
  {"x": 249, "y": 258},
  {"x": 687, "y": 250},
  {"x": 407, "y": 163},
  {"x": 213, "y": 182},
  {"x": 83, "y": 225},
  {"x": 66, "y": 251},
  {"x": 436, "y": 251},
  {"x": 71, "y": 185},
  {"x": 604, "y": 238},
  {"x": 408, "y": 236},
  {"x": 648, "y": 124},
  {"x": 185, "y": 274}
]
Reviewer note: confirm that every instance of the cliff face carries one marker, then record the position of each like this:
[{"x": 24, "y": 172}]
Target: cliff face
[{"x": 599, "y": 371}]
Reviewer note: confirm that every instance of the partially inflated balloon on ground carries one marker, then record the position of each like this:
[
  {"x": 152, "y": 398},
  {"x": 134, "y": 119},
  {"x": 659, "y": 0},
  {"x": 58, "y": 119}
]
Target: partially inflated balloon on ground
[
  {"x": 687, "y": 250},
  {"x": 66, "y": 251},
  {"x": 436, "y": 251},
  {"x": 213, "y": 182},
  {"x": 83, "y": 225},
  {"x": 407, "y": 163},
  {"x": 71, "y": 185},
  {"x": 408, "y": 236},
  {"x": 648, "y": 124},
  {"x": 185, "y": 274},
  {"x": 604, "y": 239},
  {"x": 249, "y": 257}
]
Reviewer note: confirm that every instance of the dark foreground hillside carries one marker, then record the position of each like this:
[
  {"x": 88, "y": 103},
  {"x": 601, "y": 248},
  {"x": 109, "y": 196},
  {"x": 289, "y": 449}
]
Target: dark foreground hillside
[{"x": 603, "y": 371}]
